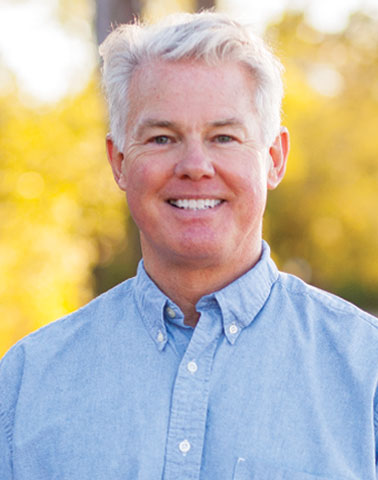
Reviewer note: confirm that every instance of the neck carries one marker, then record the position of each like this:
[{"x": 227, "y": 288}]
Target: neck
[{"x": 186, "y": 283}]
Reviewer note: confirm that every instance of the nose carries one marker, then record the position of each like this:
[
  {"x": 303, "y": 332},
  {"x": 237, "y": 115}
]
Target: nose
[{"x": 194, "y": 163}]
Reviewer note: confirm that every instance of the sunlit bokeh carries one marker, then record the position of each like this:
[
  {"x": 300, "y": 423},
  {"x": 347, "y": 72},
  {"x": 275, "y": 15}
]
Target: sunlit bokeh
[{"x": 65, "y": 231}]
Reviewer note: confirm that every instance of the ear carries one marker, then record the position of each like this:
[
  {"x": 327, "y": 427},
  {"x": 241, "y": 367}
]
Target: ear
[
  {"x": 115, "y": 158},
  {"x": 278, "y": 154}
]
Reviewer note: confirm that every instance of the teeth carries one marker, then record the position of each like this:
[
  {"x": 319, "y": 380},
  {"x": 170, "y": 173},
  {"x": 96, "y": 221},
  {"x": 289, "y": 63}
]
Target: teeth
[{"x": 191, "y": 204}]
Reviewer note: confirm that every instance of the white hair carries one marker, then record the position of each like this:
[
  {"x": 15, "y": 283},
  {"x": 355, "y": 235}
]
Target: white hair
[{"x": 210, "y": 37}]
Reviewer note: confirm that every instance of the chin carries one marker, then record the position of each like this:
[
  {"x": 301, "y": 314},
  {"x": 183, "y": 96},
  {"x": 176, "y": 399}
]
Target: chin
[{"x": 202, "y": 256}]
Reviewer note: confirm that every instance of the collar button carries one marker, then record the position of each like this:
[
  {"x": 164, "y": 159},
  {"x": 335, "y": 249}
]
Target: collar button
[
  {"x": 170, "y": 312},
  {"x": 233, "y": 329}
]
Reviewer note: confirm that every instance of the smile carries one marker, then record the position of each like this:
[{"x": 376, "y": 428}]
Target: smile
[{"x": 195, "y": 204}]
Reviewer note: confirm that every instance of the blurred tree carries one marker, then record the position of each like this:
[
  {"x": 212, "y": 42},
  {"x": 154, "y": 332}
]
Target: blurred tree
[
  {"x": 62, "y": 217},
  {"x": 114, "y": 12},
  {"x": 108, "y": 14},
  {"x": 204, "y": 4}
]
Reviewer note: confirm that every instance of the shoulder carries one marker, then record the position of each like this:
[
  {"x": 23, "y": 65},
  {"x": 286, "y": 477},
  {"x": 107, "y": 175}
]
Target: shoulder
[
  {"x": 329, "y": 330},
  {"x": 53, "y": 351},
  {"x": 72, "y": 332},
  {"x": 103, "y": 308},
  {"x": 322, "y": 305}
]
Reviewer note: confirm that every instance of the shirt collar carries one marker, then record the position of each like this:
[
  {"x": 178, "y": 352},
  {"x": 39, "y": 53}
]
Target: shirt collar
[
  {"x": 239, "y": 302},
  {"x": 242, "y": 300},
  {"x": 152, "y": 304}
]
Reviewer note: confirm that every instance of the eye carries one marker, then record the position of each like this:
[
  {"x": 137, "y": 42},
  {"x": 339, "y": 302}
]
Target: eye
[
  {"x": 161, "y": 140},
  {"x": 224, "y": 138}
]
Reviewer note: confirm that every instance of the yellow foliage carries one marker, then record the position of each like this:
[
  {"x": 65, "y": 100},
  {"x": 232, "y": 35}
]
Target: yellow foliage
[
  {"x": 58, "y": 200},
  {"x": 154, "y": 11},
  {"x": 62, "y": 217},
  {"x": 324, "y": 213}
]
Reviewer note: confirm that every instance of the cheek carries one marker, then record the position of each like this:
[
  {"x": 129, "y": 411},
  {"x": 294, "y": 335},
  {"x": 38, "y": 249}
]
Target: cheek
[
  {"x": 136, "y": 187},
  {"x": 139, "y": 179},
  {"x": 248, "y": 178},
  {"x": 143, "y": 184},
  {"x": 147, "y": 172},
  {"x": 251, "y": 193}
]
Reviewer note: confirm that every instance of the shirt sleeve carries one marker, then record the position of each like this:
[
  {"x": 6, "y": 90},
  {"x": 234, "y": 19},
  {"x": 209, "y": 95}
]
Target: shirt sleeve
[
  {"x": 5, "y": 452},
  {"x": 11, "y": 368},
  {"x": 376, "y": 439}
]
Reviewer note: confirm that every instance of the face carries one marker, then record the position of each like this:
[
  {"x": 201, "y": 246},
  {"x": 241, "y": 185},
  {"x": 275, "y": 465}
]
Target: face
[{"x": 194, "y": 167}]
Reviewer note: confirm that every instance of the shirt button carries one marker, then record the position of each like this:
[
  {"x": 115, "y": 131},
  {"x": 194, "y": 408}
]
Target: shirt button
[
  {"x": 192, "y": 366},
  {"x": 160, "y": 337},
  {"x": 170, "y": 312},
  {"x": 233, "y": 329},
  {"x": 184, "y": 447}
]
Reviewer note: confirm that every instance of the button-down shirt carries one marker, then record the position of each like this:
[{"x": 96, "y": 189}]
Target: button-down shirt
[{"x": 277, "y": 381}]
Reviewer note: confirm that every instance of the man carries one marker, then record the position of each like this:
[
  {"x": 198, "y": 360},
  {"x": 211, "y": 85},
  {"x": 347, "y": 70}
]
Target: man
[{"x": 209, "y": 364}]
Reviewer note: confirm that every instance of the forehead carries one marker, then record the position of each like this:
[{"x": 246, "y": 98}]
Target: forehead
[{"x": 190, "y": 92}]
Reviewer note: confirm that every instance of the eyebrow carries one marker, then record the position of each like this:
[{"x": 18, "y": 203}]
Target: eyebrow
[
  {"x": 155, "y": 123},
  {"x": 233, "y": 121}
]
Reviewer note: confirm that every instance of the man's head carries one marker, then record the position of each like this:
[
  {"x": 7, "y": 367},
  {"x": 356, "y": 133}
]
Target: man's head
[
  {"x": 209, "y": 37},
  {"x": 196, "y": 139}
]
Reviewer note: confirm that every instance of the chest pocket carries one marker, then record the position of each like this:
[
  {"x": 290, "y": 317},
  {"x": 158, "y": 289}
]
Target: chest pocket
[{"x": 253, "y": 470}]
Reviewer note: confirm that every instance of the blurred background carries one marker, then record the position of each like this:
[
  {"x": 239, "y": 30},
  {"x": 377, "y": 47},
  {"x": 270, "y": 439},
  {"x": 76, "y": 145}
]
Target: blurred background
[{"x": 66, "y": 234}]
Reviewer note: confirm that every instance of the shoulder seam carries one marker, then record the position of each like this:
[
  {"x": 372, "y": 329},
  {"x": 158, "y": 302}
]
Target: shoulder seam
[
  {"x": 7, "y": 429},
  {"x": 315, "y": 293},
  {"x": 68, "y": 317}
]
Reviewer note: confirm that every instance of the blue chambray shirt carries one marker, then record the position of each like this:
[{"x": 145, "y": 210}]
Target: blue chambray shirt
[{"x": 278, "y": 381}]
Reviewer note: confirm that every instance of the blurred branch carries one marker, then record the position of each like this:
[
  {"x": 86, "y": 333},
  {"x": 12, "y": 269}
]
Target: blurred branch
[
  {"x": 110, "y": 13},
  {"x": 205, "y": 4}
]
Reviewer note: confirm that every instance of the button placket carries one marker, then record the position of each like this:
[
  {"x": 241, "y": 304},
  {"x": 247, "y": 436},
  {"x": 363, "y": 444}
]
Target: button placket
[{"x": 189, "y": 406}]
